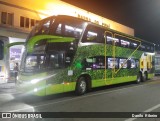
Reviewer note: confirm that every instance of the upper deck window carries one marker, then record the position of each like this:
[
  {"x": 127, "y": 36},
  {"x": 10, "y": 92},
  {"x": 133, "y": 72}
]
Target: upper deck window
[
  {"x": 45, "y": 27},
  {"x": 125, "y": 43},
  {"x": 111, "y": 40},
  {"x": 42, "y": 27},
  {"x": 68, "y": 28},
  {"x": 133, "y": 45},
  {"x": 94, "y": 34}
]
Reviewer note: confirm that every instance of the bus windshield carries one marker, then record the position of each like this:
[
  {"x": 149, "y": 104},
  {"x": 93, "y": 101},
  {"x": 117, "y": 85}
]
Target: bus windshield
[
  {"x": 38, "y": 62},
  {"x": 42, "y": 27},
  {"x": 1, "y": 49},
  {"x": 49, "y": 54},
  {"x": 59, "y": 26},
  {"x": 57, "y": 56}
]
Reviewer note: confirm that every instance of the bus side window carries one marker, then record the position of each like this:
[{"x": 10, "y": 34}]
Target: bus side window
[
  {"x": 111, "y": 40},
  {"x": 152, "y": 48},
  {"x": 94, "y": 63},
  {"x": 142, "y": 47},
  {"x": 59, "y": 29},
  {"x": 99, "y": 63},
  {"x": 133, "y": 45},
  {"x": 45, "y": 27},
  {"x": 125, "y": 43},
  {"x": 94, "y": 34},
  {"x": 123, "y": 63},
  {"x": 131, "y": 63},
  {"x": 112, "y": 63},
  {"x": 87, "y": 63}
]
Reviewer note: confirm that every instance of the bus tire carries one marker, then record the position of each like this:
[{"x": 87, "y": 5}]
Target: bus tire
[
  {"x": 139, "y": 78},
  {"x": 81, "y": 86},
  {"x": 145, "y": 77}
]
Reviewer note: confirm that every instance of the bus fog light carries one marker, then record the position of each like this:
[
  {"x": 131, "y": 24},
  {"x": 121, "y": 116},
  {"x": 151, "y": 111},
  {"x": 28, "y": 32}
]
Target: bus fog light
[
  {"x": 34, "y": 81},
  {"x": 17, "y": 78},
  {"x": 35, "y": 89}
]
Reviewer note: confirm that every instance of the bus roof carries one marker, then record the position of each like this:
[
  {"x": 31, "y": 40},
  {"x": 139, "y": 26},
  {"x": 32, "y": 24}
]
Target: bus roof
[{"x": 89, "y": 22}]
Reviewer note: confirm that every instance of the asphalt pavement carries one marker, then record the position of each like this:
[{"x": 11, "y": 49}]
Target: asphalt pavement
[
  {"x": 144, "y": 97},
  {"x": 9, "y": 87}
]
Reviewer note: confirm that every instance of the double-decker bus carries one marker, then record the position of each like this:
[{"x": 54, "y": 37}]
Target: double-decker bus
[
  {"x": 64, "y": 53},
  {"x": 4, "y": 59}
]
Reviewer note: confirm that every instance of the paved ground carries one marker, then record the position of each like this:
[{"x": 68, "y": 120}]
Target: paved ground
[
  {"x": 7, "y": 88},
  {"x": 144, "y": 97}
]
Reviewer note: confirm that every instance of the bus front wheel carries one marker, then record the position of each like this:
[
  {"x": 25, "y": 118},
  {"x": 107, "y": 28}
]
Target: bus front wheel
[{"x": 81, "y": 86}]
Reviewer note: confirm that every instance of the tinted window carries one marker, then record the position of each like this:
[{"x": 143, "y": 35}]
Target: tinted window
[
  {"x": 152, "y": 48},
  {"x": 125, "y": 43},
  {"x": 143, "y": 47},
  {"x": 94, "y": 34},
  {"x": 122, "y": 63},
  {"x": 133, "y": 45},
  {"x": 69, "y": 28},
  {"x": 42, "y": 27},
  {"x": 146, "y": 47},
  {"x": 111, "y": 40},
  {"x": 133, "y": 63},
  {"x": 112, "y": 63},
  {"x": 97, "y": 62}
]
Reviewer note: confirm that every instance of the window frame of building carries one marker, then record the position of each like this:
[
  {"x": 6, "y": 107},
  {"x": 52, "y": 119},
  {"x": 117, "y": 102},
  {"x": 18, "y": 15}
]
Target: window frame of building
[
  {"x": 26, "y": 22},
  {"x": 7, "y": 18}
]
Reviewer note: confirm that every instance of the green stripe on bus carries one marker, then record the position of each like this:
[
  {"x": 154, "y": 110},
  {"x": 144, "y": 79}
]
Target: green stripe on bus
[{"x": 49, "y": 38}]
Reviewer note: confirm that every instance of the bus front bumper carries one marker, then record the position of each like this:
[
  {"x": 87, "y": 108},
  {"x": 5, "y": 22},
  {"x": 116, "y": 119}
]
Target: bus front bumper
[{"x": 26, "y": 87}]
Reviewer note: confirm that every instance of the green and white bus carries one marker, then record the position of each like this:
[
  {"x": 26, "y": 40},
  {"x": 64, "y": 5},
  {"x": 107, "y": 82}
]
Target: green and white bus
[{"x": 64, "y": 53}]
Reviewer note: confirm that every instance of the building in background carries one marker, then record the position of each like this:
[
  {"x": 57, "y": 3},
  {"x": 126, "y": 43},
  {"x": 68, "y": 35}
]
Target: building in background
[{"x": 17, "y": 17}]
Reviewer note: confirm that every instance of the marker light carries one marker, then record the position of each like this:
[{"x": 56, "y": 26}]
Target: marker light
[
  {"x": 35, "y": 89},
  {"x": 34, "y": 81}
]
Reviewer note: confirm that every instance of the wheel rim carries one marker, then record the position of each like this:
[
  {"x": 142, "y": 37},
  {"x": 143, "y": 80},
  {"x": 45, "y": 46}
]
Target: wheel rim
[{"x": 83, "y": 86}]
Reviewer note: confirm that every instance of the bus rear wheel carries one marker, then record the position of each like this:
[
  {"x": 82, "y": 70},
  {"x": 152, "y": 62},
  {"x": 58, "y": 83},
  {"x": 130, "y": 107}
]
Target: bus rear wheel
[
  {"x": 81, "y": 86},
  {"x": 145, "y": 77},
  {"x": 139, "y": 78}
]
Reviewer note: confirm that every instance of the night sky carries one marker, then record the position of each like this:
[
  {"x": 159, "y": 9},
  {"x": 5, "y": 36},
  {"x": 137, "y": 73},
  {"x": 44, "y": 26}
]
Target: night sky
[{"x": 141, "y": 15}]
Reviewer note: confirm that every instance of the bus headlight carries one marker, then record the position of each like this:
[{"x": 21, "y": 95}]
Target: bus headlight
[
  {"x": 35, "y": 89},
  {"x": 34, "y": 81},
  {"x": 17, "y": 78}
]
